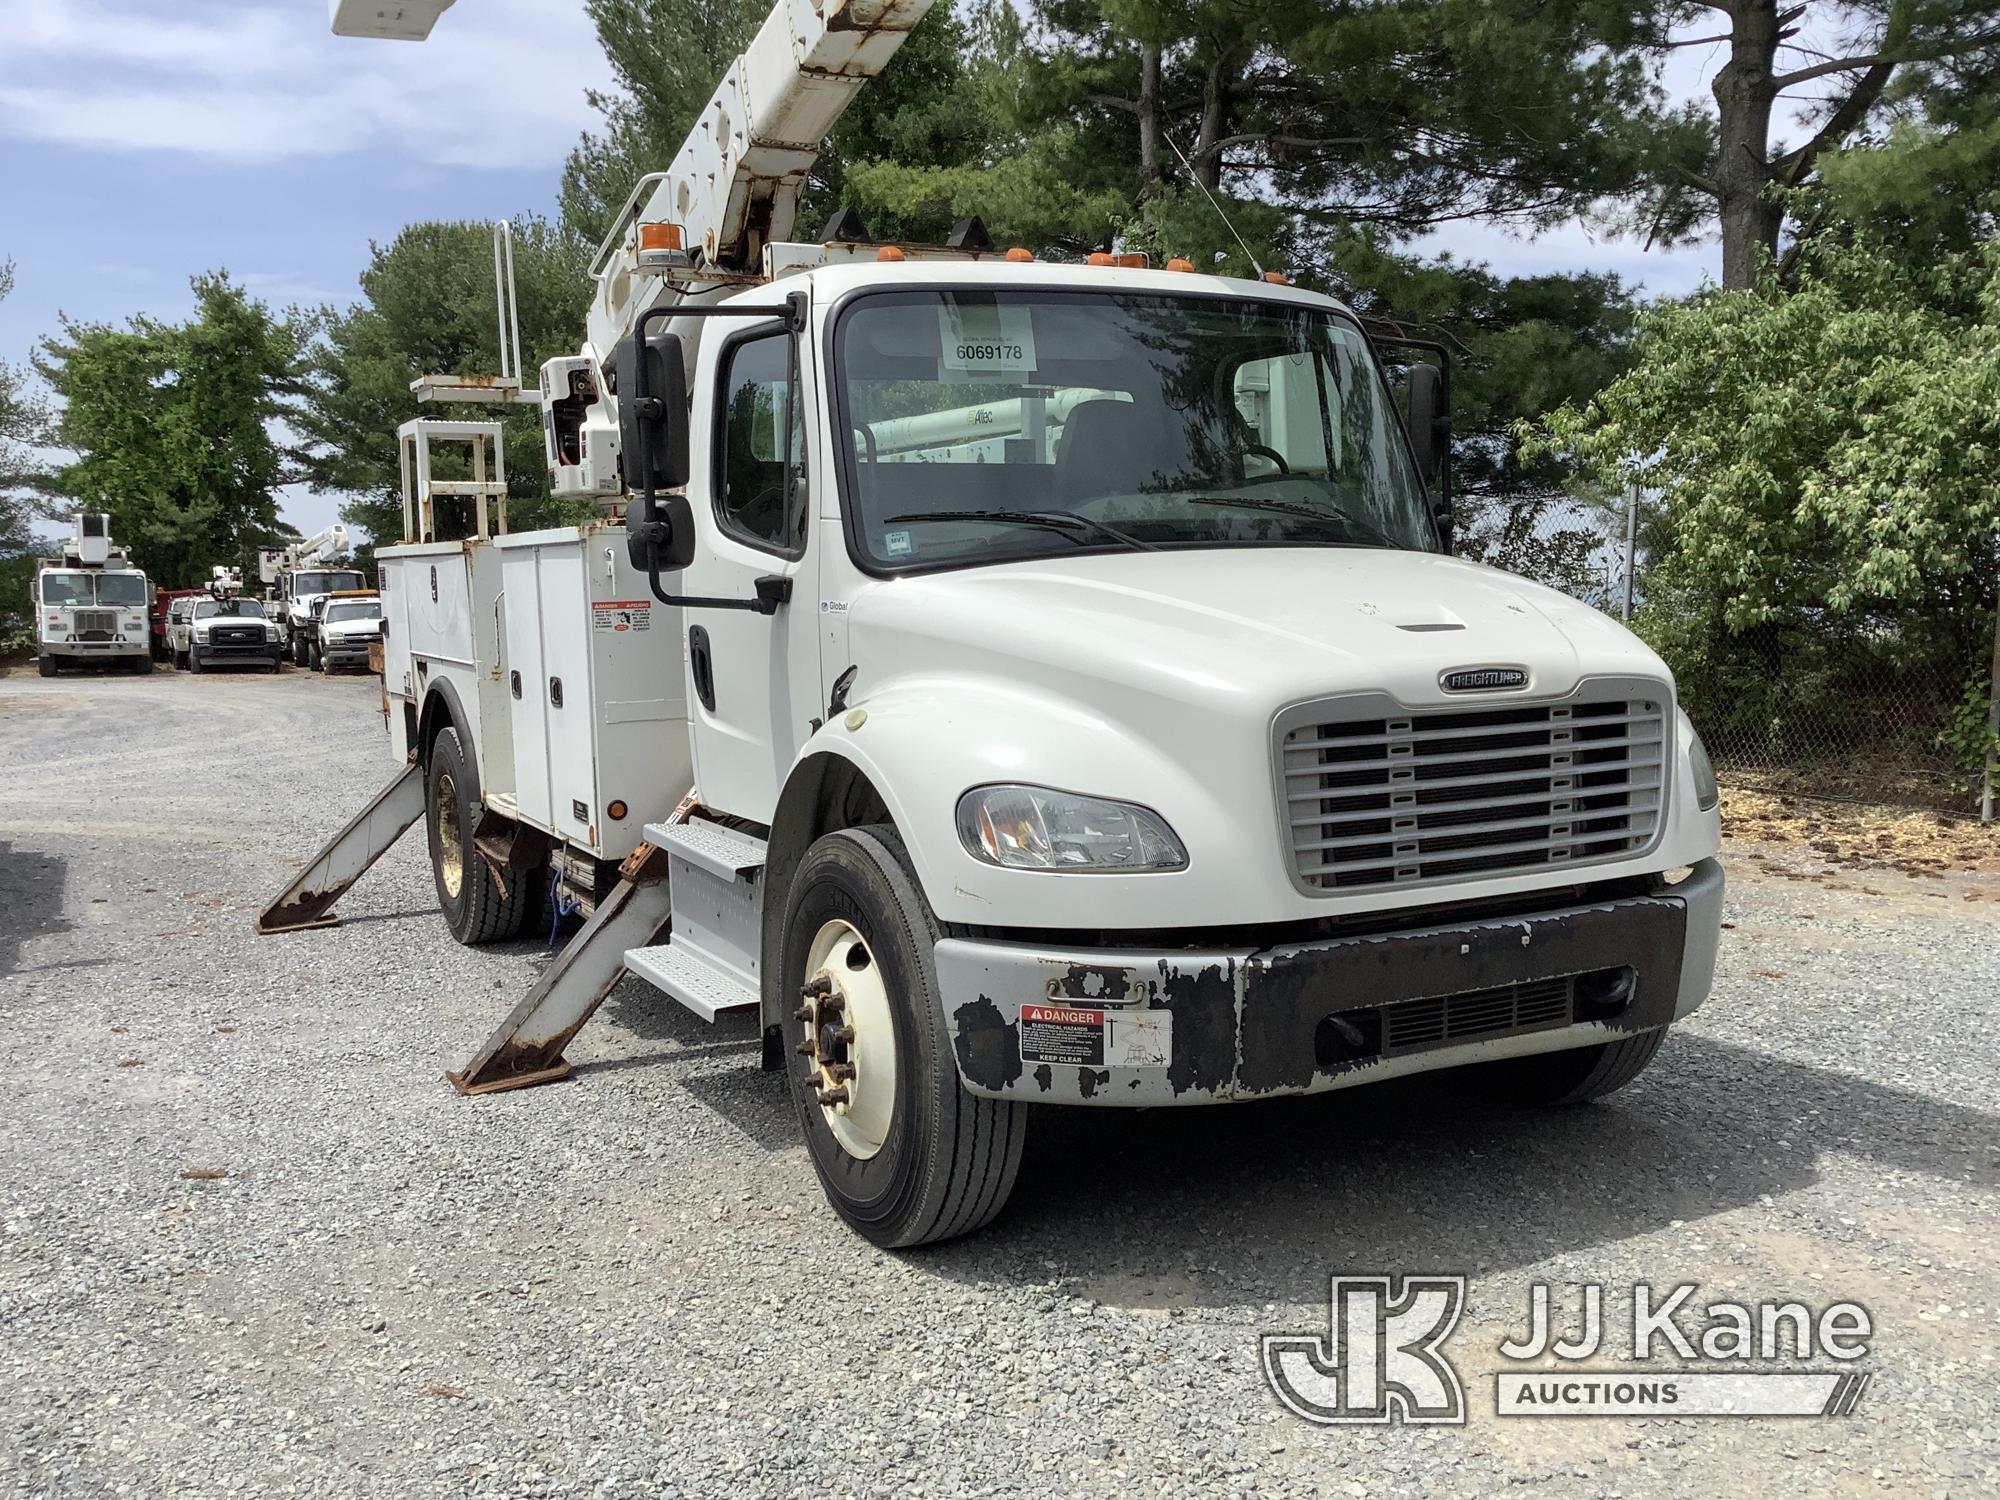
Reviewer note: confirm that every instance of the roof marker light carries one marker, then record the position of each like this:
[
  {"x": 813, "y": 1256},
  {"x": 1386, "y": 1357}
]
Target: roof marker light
[
  {"x": 1135, "y": 260},
  {"x": 1020, "y": 255},
  {"x": 1099, "y": 258},
  {"x": 890, "y": 252},
  {"x": 1277, "y": 278},
  {"x": 1177, "y": 264}
]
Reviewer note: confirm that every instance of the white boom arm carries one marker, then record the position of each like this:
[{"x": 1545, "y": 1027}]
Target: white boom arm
[
  {"x": 321, "y": 546},
  {"x": 734, "y": 186}
]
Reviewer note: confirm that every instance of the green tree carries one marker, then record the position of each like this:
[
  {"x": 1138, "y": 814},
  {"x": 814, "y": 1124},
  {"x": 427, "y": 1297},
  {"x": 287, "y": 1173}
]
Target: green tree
[
  {"x": 1829, "y": 462},
  {"x": 23, "y": 421},
  {"x": 175, "y": 428},
  {"x": 1306, "y": 122},
  {"x": 1896, "y": 54},
  {"x": 428, "y": 308},
  {"x": 669, "y": 55}
]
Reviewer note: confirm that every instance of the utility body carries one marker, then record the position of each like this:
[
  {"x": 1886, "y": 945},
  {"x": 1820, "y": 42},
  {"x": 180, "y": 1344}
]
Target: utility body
[
  {"x": 1016, "y": 684},
  {"x": 91, "y": 604}
]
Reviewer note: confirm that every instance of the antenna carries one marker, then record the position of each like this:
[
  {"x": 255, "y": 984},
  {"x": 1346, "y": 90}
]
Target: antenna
[{"x": 1213, "y": 204}]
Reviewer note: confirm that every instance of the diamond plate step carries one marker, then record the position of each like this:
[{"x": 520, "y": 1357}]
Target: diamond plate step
[
  {"x": 697, "y": 984},
  {"x": 709, "y": 846}
]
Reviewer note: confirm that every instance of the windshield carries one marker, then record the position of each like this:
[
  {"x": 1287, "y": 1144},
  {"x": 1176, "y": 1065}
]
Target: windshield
[
  {"x": 122, "y": 588},
  {"x": 364, "y": 610},
  {"x": 94, "y": 588},
  {"x": 323, "y": 583},
  {"x": 1101, "y": 420},
  {"x": 66, "y": 588},
  {"x": 243, "y": 609}
]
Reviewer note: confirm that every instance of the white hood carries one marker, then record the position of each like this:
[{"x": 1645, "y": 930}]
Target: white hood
[{"x": 1240, "y": 631}]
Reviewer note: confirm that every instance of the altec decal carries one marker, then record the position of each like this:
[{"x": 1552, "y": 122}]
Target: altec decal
[{"x": 1482, "y": 679}]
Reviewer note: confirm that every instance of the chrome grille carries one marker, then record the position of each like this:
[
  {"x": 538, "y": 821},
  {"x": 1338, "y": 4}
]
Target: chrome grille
[
  {"x": 102, "y": 620},
  {"x": 1507, "y": 1010},
  {"x": 1378, "y": 795}
]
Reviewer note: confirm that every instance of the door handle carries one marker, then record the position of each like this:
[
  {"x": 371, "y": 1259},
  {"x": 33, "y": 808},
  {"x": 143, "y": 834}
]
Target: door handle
[{"x": 701, "y": 666}]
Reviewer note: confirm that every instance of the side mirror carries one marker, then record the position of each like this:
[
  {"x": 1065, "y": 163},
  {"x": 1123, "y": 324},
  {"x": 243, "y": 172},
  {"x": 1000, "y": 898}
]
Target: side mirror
[
  {"x": 666, "y": 543},
  {"x": 1430, "y": 440},
  {"x": 653, "y": 412},
  {"x": 1429, "y": 422}
]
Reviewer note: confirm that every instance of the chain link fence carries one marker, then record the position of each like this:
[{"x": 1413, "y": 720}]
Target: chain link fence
[{"x": 1863, "y": 709}]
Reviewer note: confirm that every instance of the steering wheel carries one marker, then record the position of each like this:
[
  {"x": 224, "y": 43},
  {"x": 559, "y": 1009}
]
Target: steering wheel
[{"x": 1271, "y": 453}]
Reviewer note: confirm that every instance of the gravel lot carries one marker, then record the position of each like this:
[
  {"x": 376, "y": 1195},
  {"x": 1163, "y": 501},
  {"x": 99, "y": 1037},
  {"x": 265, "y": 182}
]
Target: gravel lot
[{"x": 628, "y": 1284}]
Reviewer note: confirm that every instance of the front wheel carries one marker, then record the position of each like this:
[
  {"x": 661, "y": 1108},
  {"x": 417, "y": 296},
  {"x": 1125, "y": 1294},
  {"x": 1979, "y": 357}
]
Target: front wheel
[
  {"x": 46, "y": 665},
  {"x": 194, "y": 660},
  {"x": 180, "y": 661},
  {"x": 299, "y": 658},
  {"x": 903, "y": 1152},
  {"x": 476, "y": 907},
  {"x": 1580, "y": 1074}
]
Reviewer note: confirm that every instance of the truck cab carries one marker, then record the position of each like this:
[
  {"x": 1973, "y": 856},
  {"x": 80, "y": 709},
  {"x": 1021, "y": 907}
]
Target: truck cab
[{"x": 1078, "y": 704}]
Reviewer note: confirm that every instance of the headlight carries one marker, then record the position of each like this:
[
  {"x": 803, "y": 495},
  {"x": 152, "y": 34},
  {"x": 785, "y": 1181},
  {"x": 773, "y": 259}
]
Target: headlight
[
  {"x": 270, "y": 631},
  {"x": 1034, "y": 828},
  {"x": 1706, "y": 793}
]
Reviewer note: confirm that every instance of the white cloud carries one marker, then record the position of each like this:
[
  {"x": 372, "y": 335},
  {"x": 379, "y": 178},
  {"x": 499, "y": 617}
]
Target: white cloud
[{"x": 499, "y": 84}]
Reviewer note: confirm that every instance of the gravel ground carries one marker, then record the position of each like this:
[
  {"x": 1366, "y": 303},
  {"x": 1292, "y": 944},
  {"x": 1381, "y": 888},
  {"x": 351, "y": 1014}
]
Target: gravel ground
[{"x": 251, "y": 1243}]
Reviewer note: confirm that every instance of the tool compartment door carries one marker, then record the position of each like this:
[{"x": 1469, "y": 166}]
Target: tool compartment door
[{"x": 527, "y": 703}]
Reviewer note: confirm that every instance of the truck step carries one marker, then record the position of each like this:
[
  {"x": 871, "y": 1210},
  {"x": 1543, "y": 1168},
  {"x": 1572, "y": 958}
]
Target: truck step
[
  {"x": 709, "y": 846},
  {"x": 690, "y": 979}
]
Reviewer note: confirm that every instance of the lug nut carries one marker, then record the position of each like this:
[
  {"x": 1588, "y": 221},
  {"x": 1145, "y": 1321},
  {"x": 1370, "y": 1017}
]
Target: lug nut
[
  {"x": 819, "y": 984},
  {"x": 803, "y": 1015},
  {"x": 840, "y": 1072},
  {"x": 831, "y": 1097},
  {"x": 807, "y": 1048}
]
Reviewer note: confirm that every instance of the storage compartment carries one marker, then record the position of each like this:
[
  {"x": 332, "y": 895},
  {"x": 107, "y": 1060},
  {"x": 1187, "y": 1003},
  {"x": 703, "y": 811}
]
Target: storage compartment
[{"x": 594, "y": 688}]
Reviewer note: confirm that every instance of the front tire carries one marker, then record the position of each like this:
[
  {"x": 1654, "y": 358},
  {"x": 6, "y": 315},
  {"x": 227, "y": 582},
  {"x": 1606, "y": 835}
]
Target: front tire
[
  {"x": 905, "y": 1155},
  {"x": 194, "y": 661},
  {"x": 474, "y": 906},
  {"x": 1580, "y": 1074},
  {"x": 180, "y": 661},
  {"x": 299, "y": 658},
  {"x": 46, "y": 665}
]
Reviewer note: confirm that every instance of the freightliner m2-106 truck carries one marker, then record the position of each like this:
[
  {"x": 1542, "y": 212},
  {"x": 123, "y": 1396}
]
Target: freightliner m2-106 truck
[{"x": 1018, "y": 684}]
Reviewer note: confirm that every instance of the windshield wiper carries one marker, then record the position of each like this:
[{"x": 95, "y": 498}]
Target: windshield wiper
[
  {"x": 1053, "y": 520},
  {"x": 1371, "y": 535}
]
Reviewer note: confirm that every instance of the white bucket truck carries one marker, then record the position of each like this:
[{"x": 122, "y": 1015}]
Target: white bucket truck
[
  {"x": 91, "y": 603},
  {"x": 1019, "y": 684}
]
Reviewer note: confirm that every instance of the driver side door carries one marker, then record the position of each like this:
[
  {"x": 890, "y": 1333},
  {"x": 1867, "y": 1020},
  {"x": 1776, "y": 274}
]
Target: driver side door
[{"x": 753, "y": 679}]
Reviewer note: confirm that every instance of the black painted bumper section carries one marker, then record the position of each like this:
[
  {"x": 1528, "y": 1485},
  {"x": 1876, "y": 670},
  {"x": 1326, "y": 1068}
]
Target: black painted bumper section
[{"x": 1246, "y": 1023}]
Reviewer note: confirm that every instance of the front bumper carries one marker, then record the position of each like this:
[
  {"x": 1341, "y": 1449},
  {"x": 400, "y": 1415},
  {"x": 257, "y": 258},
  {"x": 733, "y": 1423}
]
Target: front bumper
[
  {"x": 1176, "y": 1026},
  {"x": 220, "y": 652},
  {"x": 74, "y": 650},
  {"x": 343, "y": 652}
]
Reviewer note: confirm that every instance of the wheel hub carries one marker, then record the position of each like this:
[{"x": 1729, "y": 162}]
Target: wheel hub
[
  {"x": 850, "y": 1043},
  {"x": 451, "y": 858}
]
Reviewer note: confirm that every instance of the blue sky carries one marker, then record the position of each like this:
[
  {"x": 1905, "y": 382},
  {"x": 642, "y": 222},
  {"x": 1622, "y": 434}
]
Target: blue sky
[{"x": 145, "y": 141}]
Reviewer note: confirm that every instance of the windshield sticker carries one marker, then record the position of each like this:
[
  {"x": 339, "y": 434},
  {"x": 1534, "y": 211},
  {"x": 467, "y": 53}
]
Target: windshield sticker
[
  {"x": 896, "y": 543},
  {"x": 994, "y": 342}
]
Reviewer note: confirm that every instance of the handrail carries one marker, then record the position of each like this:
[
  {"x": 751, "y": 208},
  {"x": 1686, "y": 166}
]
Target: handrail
[{"x": 616, "y": 235}]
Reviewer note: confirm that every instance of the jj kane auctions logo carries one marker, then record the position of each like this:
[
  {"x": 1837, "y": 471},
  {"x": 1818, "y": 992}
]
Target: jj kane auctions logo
[{"x": 1382, "y": 1358}]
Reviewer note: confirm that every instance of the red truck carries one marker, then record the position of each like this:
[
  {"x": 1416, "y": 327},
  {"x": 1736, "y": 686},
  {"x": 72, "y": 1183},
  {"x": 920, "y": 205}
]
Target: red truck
[{"x": 157, "y": 623}]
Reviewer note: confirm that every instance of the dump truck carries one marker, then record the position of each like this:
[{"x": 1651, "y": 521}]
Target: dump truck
[{"x": 1016, "y": 684}]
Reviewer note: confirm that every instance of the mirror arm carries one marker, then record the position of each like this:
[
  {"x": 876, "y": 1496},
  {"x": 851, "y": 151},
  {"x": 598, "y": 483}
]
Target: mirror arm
[{"x": 771, "y": 591}]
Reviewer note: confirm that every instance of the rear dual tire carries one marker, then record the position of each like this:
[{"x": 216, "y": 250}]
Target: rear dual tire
[
  {"x": 475, "y": 906},
  {"x": 907, "y": 1156}
]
